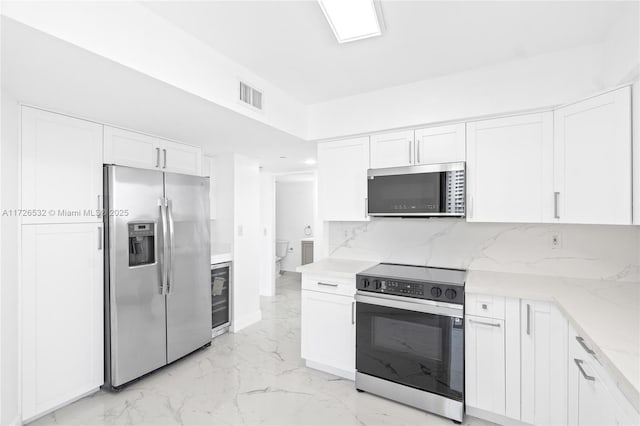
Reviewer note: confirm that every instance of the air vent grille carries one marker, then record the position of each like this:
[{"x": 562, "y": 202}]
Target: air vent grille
[{"x": 250, "y": 96}]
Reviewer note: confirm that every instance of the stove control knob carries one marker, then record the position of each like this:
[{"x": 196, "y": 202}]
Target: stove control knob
[
  {"x": 378, "y": 284},
  {"x": 450, "y": 293},
  {"x": 365, "y": 283},
  {"x": 436, "y": 291}
]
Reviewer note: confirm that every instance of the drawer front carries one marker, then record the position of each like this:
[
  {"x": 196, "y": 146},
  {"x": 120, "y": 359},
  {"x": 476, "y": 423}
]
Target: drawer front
[
  {"x": 332, "y": 285},
  {"x": 484, "y": 305}
]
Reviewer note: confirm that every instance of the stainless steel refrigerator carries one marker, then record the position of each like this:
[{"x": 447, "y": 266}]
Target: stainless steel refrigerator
[{"x": 157, "y": 270}]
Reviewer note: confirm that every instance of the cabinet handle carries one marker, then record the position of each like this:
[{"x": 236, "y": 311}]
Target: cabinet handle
[
  {"x": 528, "y": 319},
  {"x": 157, "y": 157},
  {"x": 366, "y": 207},
  {"x": 99, "y": 202},
  {"x": 418, "y": 151},
  {"x": 490, "y": 324},
  {"x": 353, "y": 312},
  {"x": 99, "y": 237},
  {"x": 584, "y": 373},
  {"x": 327, "y": 284},
  {"x": 164, "y": 151},
  {"x": 584, "y": 346},
  {"x": 556, "y": 201}
]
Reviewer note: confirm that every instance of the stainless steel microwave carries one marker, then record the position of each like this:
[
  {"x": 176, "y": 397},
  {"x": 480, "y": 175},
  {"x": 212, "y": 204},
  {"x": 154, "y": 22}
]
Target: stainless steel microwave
[{"x": 417, "y": 191}]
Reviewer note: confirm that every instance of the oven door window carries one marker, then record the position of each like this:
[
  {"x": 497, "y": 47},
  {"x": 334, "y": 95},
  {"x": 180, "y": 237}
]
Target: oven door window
[
  {"x": 410, "y": 193},
  {"x": 424, "y": 351}
]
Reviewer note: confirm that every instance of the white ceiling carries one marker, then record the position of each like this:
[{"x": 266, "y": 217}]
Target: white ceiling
[
  {"x": 290, "y": 44},
  {"x": 80, "y": 83}
]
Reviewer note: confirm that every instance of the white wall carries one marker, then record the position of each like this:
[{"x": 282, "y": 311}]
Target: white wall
[
  {"x": 587, "y": 251},
  {"x": 247, "y": 239},
  {"x": 268, "y": 228},
  {"x": 294, "y": 211},
  {"x": 9, "y": 331},
  {"x": 222, "y": 225},
  {"x": 621, "y": 50},
  {"x": 518, "y": 85},
  {"x": 146, "y": 42}
]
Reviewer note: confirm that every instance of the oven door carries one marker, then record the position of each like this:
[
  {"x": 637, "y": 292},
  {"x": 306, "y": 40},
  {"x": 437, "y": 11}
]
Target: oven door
[
  {"x": 413, "y": 342},
  {"x": 430, "y": 190}
]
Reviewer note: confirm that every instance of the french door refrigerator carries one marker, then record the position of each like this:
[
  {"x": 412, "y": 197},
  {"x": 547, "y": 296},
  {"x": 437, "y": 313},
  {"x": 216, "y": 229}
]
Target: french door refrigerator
[{"x": 157, "y": 270}]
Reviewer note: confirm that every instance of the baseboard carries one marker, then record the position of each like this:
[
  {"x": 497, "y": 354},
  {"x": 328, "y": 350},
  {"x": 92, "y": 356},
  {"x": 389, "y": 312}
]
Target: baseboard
[
  {"x": 349, "y": 375},
  {"x": 245, "y": 321},
  {"x": 58, "y": 406},
  {"x": 492, "y": 417}
]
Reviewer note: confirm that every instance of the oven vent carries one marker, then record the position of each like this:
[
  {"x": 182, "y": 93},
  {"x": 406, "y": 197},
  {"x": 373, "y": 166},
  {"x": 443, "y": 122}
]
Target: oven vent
[{"x": 250, "y": 96}]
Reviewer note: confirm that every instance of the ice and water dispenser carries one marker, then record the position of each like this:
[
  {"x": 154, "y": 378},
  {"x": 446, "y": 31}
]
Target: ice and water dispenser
[{"x": 141, "y": 243}]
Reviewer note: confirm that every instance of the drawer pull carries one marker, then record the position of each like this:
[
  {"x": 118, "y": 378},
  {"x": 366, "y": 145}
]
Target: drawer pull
[
  {"x": 584, "y": 346},
  {"x": 484, "y": 306},
  {"x": 584, "y": 373},
  {"x": 490, "y": 324},
  {"x": 327, "y": 284}
]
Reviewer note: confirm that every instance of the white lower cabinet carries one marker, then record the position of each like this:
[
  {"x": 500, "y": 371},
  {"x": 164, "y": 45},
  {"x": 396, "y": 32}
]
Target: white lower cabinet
[
  {"x": 485, "y": 364},
  {"x": 328, "y": 328},
  {"x": 593, "y": 397},
  {"x": 543, "y": 364},
  {"x": 62, "y": 314}
]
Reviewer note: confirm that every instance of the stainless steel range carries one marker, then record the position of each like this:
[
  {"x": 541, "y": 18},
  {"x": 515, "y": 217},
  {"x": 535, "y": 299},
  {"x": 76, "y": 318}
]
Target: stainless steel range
[{"x": 410, "y": 336}]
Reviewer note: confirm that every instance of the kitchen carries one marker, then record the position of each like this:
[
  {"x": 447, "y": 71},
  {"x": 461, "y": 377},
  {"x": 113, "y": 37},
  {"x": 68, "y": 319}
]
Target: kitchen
[{"x": 493, "y": 178}]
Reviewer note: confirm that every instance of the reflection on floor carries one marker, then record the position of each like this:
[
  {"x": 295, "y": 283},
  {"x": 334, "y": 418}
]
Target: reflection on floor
[{"x": 253, "y": 377}]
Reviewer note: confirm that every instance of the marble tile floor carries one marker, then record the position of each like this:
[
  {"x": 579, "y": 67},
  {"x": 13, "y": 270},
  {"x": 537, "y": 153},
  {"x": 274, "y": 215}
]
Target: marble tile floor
[{"x": 254, "y": 377}]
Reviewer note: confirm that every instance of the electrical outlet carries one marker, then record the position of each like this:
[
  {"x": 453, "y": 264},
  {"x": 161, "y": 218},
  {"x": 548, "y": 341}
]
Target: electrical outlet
[
  {"x": 240, "y": 231},
  {"x": 556, "y": 241}
]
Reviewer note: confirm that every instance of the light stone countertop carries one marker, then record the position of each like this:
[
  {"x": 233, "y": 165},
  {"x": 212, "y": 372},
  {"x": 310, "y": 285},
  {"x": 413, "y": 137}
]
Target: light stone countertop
[
  {"x": 341, "y": 268},
  {"x": 221, "y": 257},
  {"x": 605, "y": 313}
]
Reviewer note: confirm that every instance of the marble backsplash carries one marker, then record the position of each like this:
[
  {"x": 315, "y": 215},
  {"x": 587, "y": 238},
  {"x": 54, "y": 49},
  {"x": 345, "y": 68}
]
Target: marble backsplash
[{"x": 585, "y": 251}]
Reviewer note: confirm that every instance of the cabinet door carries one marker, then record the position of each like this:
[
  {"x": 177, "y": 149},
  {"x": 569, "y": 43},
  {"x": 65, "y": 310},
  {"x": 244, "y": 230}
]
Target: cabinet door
[
  {"x": 62, "y": 308},
  {"x": 510, "y": 169},
  {"x": 442, "y": 144},
  {"x": 543, "y": 364},
  {"x": 392, "y": 149},
  {"x": 180, "y": 158},
  {"x": 207, "y": 170},
  {"x": 132, "y": 149},
  {"x": 328, "y": 330},
  {"x": 592, "y": 160},
  {"x": 485, "y": 364},
  {"x": 61, "y": 167},
  {"x": 342, "y": 179}
]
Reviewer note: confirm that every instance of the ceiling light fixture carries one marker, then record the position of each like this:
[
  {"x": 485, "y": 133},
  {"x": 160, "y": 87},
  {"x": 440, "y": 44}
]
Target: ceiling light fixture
[{"x": 352, "y": 20}]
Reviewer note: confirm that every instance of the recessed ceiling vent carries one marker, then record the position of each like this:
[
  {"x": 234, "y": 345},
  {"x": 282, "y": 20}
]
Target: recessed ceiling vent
[{"x": 250, "y": 96}]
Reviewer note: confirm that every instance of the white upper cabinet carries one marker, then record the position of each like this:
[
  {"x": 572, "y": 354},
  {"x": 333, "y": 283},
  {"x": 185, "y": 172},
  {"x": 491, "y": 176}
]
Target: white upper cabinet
[
  {"x": 342, "y": 179},
  {"x": 61, "y": 168},
  {"x": 394, "y": 149},
  {"x": 132, "y": 149},
  {"x": 442, "y": 144},
  {"x": 510, "y": 169},
  {"x": 592, "y": 160},
  {"x": 127, "y": 148},
  {"x": 180, "y": 158},
  {"x": 62, "y": 314}
]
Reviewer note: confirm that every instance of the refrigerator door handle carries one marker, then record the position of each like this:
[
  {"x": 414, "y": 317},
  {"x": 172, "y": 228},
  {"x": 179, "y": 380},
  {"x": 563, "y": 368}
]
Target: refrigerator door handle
[
  {"x": 163, "y": 258},
  {"x": 171, "y": 246}
]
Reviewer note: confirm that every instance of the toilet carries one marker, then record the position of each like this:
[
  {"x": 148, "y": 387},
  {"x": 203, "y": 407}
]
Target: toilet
[{"x": 282, "y": 248}]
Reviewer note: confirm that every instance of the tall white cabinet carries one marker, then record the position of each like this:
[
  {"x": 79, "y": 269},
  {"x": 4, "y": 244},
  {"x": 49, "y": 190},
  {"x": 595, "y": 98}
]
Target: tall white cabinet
[
  {"x": 592, "y": 160},
  {"x": 61, "y": 168},
  {"x": 510, "y": 169},
  {"x": 61, "y": 260},
  {"x": 62, "y": 323}
]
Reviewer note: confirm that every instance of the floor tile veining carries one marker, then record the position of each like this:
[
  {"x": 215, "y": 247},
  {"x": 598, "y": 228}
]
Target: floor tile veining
[{"x": 253, "y": 377}]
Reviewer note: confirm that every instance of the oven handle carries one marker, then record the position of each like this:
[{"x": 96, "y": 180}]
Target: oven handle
[{"x": 417, "y": 305}]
